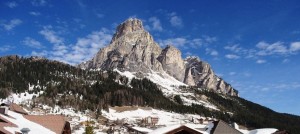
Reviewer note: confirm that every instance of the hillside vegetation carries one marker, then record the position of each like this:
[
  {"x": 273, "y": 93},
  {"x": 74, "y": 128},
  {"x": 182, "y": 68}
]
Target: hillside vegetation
[{"x": 68, "y": 86}]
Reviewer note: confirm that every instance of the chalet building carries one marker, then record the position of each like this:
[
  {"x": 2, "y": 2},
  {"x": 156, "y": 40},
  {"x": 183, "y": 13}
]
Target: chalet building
[
  {"x": 16, "y": 108},
  {"x": 55, "y": 123},
  {"x": 176, "y": 129},
  {"x": 221, "y": 127},
  {"x": 12, "y": 113},
  {"x": 152, "y": 121}
]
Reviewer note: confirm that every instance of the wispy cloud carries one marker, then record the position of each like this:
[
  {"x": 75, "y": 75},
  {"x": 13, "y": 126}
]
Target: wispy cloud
[
  {"x": 11, "y": 24},
  {"x": 232, "y": 73},
  {"x": 232, "y": 56},
  {"x": 185, "y": 42},
  {"x": 12, "y": 4},
  {"x": 43, "y": 53},
  {"x": 270, "y": 49},
  {"x": 59, "y": 48},
  {"x": 32, "y": 43},
  {"x": 177, "y": 42},
  {"x": 38, "y": 2},
  {"x": 238, "y": 50},
  {"x": 209, "y": 39},
  {"x": 35, "y": 13},
  {"x": 6, "y": 48},
  {"x": 234, "y": 48},
  {"x": 212, "y": 52},
  {"x": 285, "y": 61},
  {"x": 264, "y": 49},
  {"x": 175, "y": 20},
  {"x": 51, "y": 35},
  {"x": 295, "y": 46},
  {"x": 261, "y": 61},
  {"x": 155, "y": 23},
  {"x": 84, "y": 49}
]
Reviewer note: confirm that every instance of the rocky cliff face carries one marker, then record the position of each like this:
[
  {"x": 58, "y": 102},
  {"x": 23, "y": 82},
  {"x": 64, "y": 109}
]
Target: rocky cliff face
[{"x": 133, "y": 49}]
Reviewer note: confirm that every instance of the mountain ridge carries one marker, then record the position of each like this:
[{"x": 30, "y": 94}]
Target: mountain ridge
[
  {"x": 133, "y": 49},
  {"x": 58, "y": 84}
]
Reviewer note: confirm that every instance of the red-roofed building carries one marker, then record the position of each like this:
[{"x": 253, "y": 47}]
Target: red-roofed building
[{"x": 55, "y": 123}]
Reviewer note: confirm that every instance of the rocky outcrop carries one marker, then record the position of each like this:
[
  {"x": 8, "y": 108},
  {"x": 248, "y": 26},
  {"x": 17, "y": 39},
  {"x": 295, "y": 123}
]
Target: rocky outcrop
[
  {"x": 133, "y": 49},
  {"x": 204, "y": 77},
  {"x": 172, "y": 63}
]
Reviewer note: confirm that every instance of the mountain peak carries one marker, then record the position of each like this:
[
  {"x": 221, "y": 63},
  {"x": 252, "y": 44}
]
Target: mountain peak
[
  {"x": 128, "y": 26},
  {"x": 133, "y": 49}
]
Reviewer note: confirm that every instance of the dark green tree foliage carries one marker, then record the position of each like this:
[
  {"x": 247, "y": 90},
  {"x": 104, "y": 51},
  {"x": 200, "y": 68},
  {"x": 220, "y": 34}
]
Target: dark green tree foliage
[
  {"x": 253, "y": 115},
  {"x": 89, "y": 129},
  {"x": 68, "y": 86},
  {"x": 178, "y": 99}
]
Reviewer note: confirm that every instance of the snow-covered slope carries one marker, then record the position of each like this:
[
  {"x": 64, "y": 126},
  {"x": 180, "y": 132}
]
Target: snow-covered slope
[{"x": 170, "y": 87}]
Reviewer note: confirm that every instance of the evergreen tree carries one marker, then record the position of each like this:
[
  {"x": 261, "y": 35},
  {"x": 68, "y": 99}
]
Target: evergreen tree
[{"x": 89, "y": 129}]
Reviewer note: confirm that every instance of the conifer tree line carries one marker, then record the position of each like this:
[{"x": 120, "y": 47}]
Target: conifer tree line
[{"x": 68, "y": 86}]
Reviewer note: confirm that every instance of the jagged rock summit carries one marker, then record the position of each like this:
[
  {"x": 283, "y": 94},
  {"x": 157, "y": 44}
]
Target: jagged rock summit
[{"x": 133, "y": 49}]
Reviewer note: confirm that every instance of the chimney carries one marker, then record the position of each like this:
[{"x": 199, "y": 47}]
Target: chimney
[
  {"x": 3, "y": 110},
  {"x": 25, "y": 130}
]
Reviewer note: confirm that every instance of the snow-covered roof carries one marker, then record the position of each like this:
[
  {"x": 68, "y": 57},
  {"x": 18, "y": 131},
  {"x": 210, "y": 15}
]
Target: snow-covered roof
[
  {"x": 262, "y": 131},
  {"x": 21, "y": 122},
  {"x": 141, "y": 129},
  {"x": 171, "y": 128}
]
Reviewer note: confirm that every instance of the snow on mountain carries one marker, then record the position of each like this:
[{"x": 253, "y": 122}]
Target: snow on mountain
[
  {"x": 165, "y": 118},
  {"x": 18, "y": 98},
  {"x": 170, "y": 87},
  {"x": 133, "y": 49}
]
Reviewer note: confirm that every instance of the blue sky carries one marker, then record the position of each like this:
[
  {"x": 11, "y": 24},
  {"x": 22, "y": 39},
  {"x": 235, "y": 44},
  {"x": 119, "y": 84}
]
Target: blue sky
[{"x": 254, "y": 44}]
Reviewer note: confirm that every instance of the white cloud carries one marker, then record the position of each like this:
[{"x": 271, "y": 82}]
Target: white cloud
[
  {"x": 261, "y": 61},
  {"x": 6, "y": 48},
  {"x": 209, "y": 39},
  {"x": 156, "y": 25},
  {"x": 232, "y": 56},
  {"x": 177, "y": 42},
  {"x": 32, "y": 43},
  {"x": 51, "y": 35},
  {"x": 295, "y": 46},
  {"x": 59, "y": 48},
  {"x": 12, "y": 4},
  {"x": 175, "y": 20},
  {"x": 285, "y": 61},
  {"x": 211, "y": 52},
  {"x": 35, "y": 13},
  {"x": 265, "y": 49},
  {"x": 234, "y": 48},
  {"x": 237, "y": 49},
  {"x": 12, "y": 24},
  {"x": 43, "y": 53},
  {"x": 270, "y": 49},
  {"x": 84, "y": 49},
  {"x": 188, "y": 54},
  {"x": 214, "y": 53},
  {"x": 38, "y": 2},
  {"x": 187, "y": 42}
]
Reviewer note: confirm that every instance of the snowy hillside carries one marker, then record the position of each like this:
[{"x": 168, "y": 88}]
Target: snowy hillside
[{"x": 170, "y": 87}]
